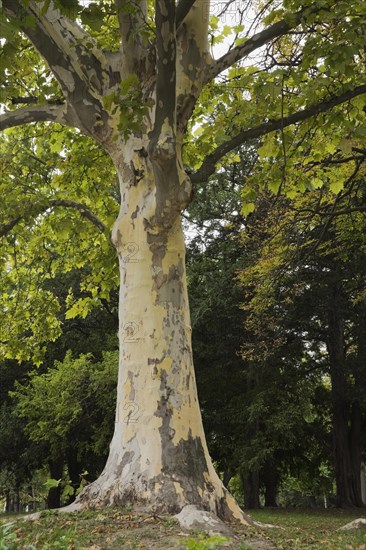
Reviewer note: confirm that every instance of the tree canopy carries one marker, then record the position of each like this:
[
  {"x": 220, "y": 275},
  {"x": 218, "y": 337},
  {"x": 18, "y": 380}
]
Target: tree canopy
[{"x": 303, "y": 90}]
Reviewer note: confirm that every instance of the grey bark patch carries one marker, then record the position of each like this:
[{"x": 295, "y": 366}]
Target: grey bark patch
[
  {"x": 127, "y": 459},
  {"x": 185, "y": 461},
  {"x": 132, "y": 390},
  {"x": 359, "y": 523},
  {"x": 194, "y": 519}
]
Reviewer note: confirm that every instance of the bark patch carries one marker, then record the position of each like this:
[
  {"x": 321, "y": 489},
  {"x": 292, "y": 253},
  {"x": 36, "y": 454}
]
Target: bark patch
[
  {"x": 127, "y": 459},
  {"x": 184, "y": 462}
]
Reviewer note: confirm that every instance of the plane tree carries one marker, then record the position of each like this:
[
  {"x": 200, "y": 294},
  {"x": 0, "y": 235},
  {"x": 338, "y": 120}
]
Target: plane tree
[{"x": 139, "y": 79}]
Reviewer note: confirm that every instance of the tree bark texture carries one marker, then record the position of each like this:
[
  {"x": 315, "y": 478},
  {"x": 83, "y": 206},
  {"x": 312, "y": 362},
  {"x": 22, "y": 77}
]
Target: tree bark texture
[{"x": 158, "y": 455}]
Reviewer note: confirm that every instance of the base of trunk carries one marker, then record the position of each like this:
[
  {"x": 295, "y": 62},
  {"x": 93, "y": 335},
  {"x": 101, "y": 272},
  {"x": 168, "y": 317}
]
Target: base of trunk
[{"x": 166, "y": 496}]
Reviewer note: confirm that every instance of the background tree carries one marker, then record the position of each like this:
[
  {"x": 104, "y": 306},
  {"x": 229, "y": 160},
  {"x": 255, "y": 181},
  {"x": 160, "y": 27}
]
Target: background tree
[
  {"x": 307, "y": 285},
  {"x": 266, "y": 423},
  {"x": 129, "y": 77}
]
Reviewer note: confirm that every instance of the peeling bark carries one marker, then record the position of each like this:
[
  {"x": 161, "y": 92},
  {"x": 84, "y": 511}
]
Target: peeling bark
[{"x": 158, "y": 456}]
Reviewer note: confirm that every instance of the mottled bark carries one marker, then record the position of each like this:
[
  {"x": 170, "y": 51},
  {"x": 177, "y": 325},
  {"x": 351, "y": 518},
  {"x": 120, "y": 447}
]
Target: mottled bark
[{"x": 158, "y": 456}]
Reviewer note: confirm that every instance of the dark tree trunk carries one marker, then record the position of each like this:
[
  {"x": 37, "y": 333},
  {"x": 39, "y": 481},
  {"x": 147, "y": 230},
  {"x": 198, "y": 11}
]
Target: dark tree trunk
[
  {"x": 74, "y": 469},
  {"x": 12, "y": 502},
  {"x": 358, "y": 416},
  {"x": 270, "y": 479},
  {"x": 228, "y": 474},
  {"x": 251, "y": 490},
  {"x": 356, "y": 452},
  {"x": 345, "y": 440},
  {"x": 7, "y": 502},
  {"x": 54, "y": 493}
]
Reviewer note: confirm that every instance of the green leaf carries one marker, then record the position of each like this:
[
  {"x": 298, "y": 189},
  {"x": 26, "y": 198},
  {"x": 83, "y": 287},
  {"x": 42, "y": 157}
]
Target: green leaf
[
  {"x": 316, "y": 183},
  {"x": 52, "y": 483},
  {"x": 336, "y": 186}
]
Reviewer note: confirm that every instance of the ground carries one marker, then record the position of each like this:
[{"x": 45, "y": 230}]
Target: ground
[{"x": 119, "y": 528}]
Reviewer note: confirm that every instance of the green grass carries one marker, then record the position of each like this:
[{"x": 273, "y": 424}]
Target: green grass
[
  {"x": 312, "y": 529},
  {"x": 118, "y": 528}
]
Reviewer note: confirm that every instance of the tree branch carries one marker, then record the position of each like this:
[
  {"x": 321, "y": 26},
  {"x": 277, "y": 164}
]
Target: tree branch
[
  {"x": 36, "y": 113},
  {"x": 7, "y": 227},
  {"x": 256, "y": 41},
  {"x": 132, "y": 18},
  {"x": 85, "y": 213},
  {"x": 182, "y": 10},
  {"x": 163, "y": 134},
  {"x": 208, "y": 166},
  {"x": 60, "y": 42}
]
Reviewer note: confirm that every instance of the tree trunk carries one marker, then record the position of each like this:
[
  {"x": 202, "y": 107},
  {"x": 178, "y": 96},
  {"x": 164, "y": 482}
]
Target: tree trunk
[
  {"x": 270, "y": 479},
  {"x": 347, "y": 465},
  {"x": 74, "y": 469},
  {"x": 7, "y": 502},
  {"x": 158, "y": 456},
  {"x": 363, "y": 484},
  {"x": 54, "y": 493},
  {"x": 356, "y": 452},
  {"x": 251, "y": 491}
]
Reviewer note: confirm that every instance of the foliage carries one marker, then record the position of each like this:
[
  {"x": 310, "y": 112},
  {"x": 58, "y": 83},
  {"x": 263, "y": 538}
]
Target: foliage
[
  {"x": 323, "y": 58},
  {"x": 69, "y": 407},
  {"x": 270, "y": 415},
  {"x": 61, "y": 206},
  {"x": 300, "y": 252},
  {"x": 214, "y": 257}
]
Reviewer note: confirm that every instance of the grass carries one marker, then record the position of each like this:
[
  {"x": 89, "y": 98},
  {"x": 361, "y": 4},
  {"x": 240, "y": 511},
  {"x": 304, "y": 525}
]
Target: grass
[
  {"x": 118, "y": 528},
  {"x": 312, "y": 529}
]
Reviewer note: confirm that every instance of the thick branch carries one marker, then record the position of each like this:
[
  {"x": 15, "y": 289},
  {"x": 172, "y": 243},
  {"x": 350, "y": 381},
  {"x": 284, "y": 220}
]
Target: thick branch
[
  {"x": 36, "y": 113},
  {"x": 85, "y": 213},
  {"x": 132, "y": 18},
  {"x": 32, "y": 100},
  {"x": 208, "y": 166},
  {"x": 163, "y": 134},
  {"x": 345, "y": 212},
  {"x": 60, "y": 42},
  {"x": 182, "y": 10},
  {"x": 7, "y": 227},
  {"x": 256, "y": 41}
]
